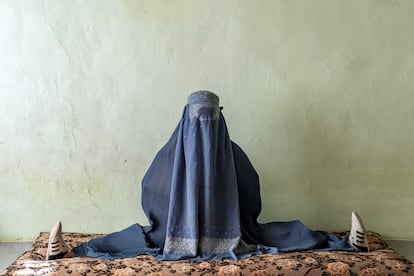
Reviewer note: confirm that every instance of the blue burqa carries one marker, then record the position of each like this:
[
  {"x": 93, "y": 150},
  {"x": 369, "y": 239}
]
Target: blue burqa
[{"x": 201, "y": 196}]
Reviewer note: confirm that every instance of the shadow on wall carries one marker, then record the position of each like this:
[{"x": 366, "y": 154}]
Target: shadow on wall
[{"x": 325, "y": 177}]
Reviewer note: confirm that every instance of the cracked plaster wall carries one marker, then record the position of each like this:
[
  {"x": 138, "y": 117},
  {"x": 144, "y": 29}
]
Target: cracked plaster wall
[{"x": 318, "y": 93}]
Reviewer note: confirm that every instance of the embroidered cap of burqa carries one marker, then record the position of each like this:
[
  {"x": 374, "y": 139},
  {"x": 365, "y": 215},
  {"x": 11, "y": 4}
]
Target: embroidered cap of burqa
[{"x": 201, "y": 196}]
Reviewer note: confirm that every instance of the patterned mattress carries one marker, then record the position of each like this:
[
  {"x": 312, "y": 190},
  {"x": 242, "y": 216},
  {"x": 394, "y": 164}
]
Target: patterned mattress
[{"x": 382, "y": 260}]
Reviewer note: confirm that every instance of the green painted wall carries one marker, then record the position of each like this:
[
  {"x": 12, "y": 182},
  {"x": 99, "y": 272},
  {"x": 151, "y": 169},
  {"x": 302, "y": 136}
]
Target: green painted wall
[{"x": 318, "y": 93}]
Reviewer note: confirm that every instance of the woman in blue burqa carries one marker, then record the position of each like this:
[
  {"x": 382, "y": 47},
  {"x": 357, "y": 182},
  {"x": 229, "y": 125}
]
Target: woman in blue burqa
[{"x": 201, "y": 196}]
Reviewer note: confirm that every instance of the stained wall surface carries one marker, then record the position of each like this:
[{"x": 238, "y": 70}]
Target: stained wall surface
[{"x": 318, "y": 93}]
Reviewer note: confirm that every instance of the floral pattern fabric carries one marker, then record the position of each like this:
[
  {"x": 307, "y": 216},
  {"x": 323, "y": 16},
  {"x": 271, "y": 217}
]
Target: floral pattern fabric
[{"x": 382, "y": 260}]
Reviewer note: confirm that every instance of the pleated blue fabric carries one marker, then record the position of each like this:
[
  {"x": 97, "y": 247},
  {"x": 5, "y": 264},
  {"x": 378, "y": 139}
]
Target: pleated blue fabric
[{"x": 201, "y": 195}]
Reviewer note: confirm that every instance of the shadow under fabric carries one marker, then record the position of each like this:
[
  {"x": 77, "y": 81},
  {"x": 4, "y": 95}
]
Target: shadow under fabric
[{"x": 201, "y": 195}]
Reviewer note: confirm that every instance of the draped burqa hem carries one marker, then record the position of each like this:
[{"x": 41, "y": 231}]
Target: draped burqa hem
[{"x": 202, "y": 198}]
